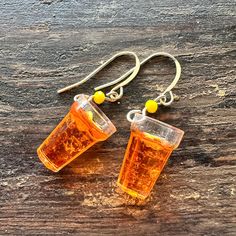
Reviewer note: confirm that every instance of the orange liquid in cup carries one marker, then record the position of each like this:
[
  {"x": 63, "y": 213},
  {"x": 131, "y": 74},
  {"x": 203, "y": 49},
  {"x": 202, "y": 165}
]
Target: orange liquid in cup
[
  {"x": 145, "y": 157},
  {"x": 74, "y": 135}
]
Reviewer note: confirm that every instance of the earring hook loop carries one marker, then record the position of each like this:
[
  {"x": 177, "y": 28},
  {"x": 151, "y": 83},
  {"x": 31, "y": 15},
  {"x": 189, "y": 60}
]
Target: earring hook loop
[{"x": 111, "y": 96}]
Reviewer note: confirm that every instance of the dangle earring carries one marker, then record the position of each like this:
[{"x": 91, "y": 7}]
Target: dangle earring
[
  {"x": 151, "y": 142},
  {"x": 85, "y": 124}
]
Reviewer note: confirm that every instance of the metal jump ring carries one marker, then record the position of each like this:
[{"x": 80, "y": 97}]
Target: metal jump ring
[{"x": 130, "y": 113}]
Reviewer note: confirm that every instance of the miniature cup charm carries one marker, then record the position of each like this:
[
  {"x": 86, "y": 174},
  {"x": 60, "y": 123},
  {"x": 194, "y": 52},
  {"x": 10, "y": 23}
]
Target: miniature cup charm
[
  {"x": 150, "y": 145},
  {"x": 80, "y": 129}
]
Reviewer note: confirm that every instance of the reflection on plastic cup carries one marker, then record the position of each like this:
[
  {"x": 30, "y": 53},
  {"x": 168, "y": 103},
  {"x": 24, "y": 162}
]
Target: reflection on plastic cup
[
  {"x": 80, "y": 129},
  {"x": 150, "y": 145}
]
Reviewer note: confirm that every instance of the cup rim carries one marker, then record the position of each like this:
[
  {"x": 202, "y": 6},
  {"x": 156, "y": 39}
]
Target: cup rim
[
  {"x": 156, "y": 131},
  {"x": 112, "y": 127},
  {"x": 175, "y": 129}
]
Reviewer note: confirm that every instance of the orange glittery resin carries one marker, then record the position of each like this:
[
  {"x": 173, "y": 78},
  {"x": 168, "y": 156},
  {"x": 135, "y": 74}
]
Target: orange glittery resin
[
  {"x": 75, "y": 134},
  {"x": 145, "y": 157}
]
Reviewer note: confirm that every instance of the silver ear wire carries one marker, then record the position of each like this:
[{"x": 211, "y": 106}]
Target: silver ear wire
[
  {"x": 161, "y": 98},
  {"x": 113, "y": 95}
]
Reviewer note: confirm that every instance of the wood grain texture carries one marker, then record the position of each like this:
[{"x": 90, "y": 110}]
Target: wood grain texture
[{"x": 47, "y": 44}]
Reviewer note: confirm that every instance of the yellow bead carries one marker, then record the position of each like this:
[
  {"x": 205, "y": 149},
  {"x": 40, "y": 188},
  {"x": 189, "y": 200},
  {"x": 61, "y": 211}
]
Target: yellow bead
[
  {"x": 151, "y": 106},
  {"x": 99, "y": 97}
]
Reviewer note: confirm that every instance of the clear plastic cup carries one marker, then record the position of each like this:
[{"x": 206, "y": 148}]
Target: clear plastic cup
[
  {"x": 150, "y": 145},
  {"x": 80, "y": 129}
]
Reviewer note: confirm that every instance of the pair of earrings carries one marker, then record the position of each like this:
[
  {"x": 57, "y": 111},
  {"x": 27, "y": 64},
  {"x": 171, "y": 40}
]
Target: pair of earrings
[{"x": 151, "y": 141}]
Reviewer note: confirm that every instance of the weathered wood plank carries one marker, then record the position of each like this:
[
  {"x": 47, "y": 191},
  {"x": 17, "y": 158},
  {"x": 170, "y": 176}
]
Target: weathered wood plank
[{"x": 45, "y": 45}]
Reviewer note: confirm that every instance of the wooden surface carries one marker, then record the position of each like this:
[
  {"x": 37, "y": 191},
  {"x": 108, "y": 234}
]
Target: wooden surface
[{"x": 48, "y": 44}]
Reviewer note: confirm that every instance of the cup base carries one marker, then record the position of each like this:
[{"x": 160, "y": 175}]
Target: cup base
[
  {"x": 131, "y": 192},
  {"x": 45, "y": 160}
]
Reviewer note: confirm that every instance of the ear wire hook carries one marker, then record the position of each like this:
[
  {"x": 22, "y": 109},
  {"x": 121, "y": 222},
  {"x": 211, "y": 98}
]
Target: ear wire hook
[
  {"x": 162, "y": 97},
  {"x": 111, "y": 96}
]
